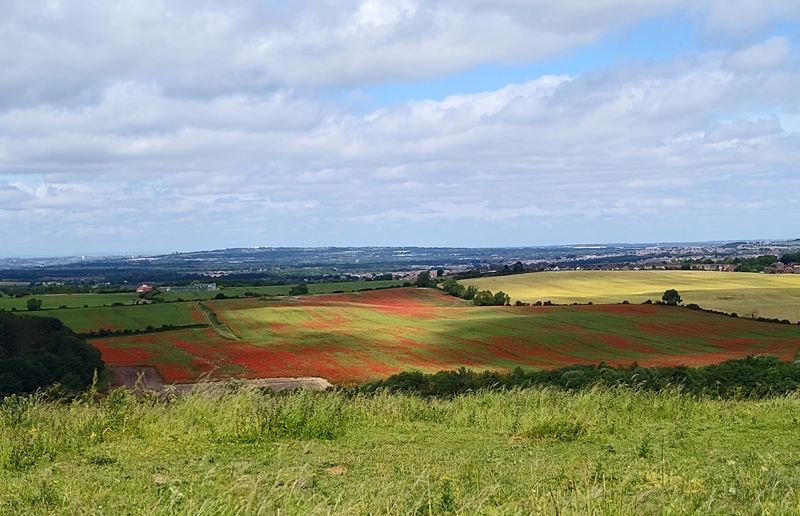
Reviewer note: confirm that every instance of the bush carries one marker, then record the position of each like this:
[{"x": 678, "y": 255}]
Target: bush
[{"x": 753, "y": 377}]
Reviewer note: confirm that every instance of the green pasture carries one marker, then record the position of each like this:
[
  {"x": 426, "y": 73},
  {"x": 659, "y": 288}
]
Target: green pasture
[
  {"x": 603, "y": 451},
  {"x": 69, "y": 300},
  {"x": 279, "y": 290},
  {"x": 748, "y": 294},
  {"x": 130, "y": 317}
]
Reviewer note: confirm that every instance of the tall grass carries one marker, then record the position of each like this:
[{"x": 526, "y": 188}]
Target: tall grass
[{"x": 242, "y": 451}]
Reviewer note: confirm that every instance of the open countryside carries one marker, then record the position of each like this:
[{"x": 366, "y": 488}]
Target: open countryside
[
  {"x": 746, "y": 294},
  {"x": 355, "y": 337}
]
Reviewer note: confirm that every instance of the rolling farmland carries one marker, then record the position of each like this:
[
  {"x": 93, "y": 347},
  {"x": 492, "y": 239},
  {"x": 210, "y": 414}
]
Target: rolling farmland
[
  {"x": 360, "y": 336},
  {"x": 766, "y": 295}
]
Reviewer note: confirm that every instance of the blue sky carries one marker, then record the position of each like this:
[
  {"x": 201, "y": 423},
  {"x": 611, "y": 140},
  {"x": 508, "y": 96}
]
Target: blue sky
[{"x": 164, "y": 125}]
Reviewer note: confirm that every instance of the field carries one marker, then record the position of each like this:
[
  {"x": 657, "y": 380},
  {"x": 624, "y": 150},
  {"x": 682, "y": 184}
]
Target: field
[
  {"x": 527, "y": 452},
  {"x": 100, "y": 314},
  {"x": 355, "y": 337},
  {"x": 69, "y": 300},
  {"x": 767, "y": 295},
  {"x": 130, "y": 317},
  {"x": 279, "y": 290}
]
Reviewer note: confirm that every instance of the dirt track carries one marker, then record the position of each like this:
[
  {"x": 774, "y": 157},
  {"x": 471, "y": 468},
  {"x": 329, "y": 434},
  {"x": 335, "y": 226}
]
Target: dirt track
[{"x": 146, "y": 378}]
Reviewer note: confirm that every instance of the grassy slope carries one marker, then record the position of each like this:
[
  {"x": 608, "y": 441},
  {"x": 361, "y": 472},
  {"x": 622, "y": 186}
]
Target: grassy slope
[
  {"x": 767, "y": 294},
  {"x": 611, "y": 452},
  {"x": 369, "y": 335}
]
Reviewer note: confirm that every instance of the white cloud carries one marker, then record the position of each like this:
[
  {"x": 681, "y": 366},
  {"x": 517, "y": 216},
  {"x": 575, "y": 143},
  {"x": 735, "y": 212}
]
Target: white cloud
[{"x": 178, "y": 121}]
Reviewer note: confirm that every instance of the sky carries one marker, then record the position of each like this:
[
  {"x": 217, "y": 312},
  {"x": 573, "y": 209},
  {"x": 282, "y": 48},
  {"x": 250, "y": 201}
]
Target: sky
[{"x": 150, "y": 126}]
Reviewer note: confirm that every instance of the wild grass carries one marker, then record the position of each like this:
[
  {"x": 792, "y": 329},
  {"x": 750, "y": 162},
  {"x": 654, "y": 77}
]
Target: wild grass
[{"x": 241, "y": 451}]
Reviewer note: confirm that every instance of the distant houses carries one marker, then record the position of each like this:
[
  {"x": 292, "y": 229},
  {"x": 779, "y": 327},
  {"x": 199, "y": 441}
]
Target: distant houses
[
  {"x": 196, "y": 286},
  {"x": 144, "y": 288}
]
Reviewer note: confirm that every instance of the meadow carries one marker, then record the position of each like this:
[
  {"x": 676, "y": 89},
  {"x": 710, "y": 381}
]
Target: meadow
[
  {"x": 747, "y": 294},
  {"x": 537, "y": 451},
  {"x": 355, "y": 337}
]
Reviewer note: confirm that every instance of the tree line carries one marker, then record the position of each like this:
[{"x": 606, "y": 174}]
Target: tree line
[
  {"x": 752, "y": 377},
  {"x": 36, "y": 352}
]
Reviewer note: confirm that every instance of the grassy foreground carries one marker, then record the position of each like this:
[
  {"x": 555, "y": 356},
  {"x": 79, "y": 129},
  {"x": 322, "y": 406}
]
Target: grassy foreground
[
  {"x": 765, "y": 295},
  {"x": 612, "y": 451}
]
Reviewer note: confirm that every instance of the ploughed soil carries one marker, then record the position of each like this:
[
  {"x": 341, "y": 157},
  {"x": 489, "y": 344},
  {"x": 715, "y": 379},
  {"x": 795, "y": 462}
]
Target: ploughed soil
[{"x": 147, "y": 378}]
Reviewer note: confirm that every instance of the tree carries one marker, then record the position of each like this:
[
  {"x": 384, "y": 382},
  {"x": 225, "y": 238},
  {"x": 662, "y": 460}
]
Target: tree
[
  {"x": 501, "y": 299},
  {"x": 518, "y": 268},
  {"x": 470, "y": 292},
  {"x": 671, "y": 297},
  {"x": 298, "y": 290},
  {"x": 439, "y": 273},
  {"x": 34, "y": 304},
  {"x": 454, "y": 288},
  {"x": 424, "y": 279},
  {"x": 483, "y": 298}
]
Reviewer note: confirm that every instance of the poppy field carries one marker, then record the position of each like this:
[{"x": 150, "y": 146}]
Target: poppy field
[{"x": 355, "y": 337}]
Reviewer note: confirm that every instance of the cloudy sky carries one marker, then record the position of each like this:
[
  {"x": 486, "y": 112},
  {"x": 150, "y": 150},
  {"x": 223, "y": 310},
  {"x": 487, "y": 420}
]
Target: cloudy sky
[{"x": 164, "y": 125}]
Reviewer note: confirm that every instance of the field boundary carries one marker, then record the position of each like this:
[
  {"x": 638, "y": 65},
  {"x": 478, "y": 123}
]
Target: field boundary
[{"x": 213, "y": 320}]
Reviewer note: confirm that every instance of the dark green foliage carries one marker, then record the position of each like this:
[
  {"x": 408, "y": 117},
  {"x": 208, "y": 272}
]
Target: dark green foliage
[
  {"x": 34, "y": 304},
  {"x": 454, "y": 288},
  {"x": 299, "y": 290},
  {"x": 671, "y": 297},
  {"x": 751, "y": 377},
  {"x": 790, "y": 258},
  {"x": 36, "y": 352},
  {"x": 757, "y": 264},
  {"x": 424, "y": 279},
  {"x": 487, "y": 298}
]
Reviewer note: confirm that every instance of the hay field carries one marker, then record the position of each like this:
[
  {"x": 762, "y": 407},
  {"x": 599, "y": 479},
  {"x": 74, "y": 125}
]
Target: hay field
[{"x": 767, "y": 295}]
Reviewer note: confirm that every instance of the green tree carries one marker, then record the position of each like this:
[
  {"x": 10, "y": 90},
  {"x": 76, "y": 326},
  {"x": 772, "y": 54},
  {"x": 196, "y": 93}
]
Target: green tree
[
  {"x": 453, "y": 287},
  {"x": 500, "y": 298},
  {"x": 34, "y": 304},
  {"x": 298, "y": 290},
  {"x": 483, "y": 298},
  {"x": 470, "y": 292},
  {"x": 424, "y": 279},
  {"x": 671, "y": 297},
  {"x": 439, "y": 273}
]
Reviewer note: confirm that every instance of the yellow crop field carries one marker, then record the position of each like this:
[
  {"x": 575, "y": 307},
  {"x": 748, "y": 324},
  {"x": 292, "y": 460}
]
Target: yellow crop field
[{"x": 747, "y": 294}]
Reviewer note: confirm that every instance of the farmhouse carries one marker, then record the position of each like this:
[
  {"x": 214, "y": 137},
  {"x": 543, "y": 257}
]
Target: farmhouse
[{"x": 144, "y": 288}]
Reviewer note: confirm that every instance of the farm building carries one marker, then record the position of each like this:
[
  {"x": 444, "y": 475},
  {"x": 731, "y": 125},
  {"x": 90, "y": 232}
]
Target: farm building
[
  {"x": 144, "y": 288},
  {"x": 196, "y": 286}
]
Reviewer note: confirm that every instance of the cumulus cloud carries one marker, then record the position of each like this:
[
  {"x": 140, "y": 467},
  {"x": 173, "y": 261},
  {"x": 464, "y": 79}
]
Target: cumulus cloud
[{"x": 168, "y": 125}]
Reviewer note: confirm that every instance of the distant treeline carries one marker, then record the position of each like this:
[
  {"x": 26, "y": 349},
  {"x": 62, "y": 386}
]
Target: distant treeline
[
  {"x": 37, "y": 352},
  {"x": 751, "y": 377}
]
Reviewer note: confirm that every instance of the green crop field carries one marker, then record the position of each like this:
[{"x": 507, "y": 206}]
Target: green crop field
[
  {"x": 279, "y": 290},
  {"x": 611, "y": 451},
  {"x": 130, "y": 317},
  {"x": 360, "y": 336},
  {"x": 766, "y": 295},
  {"x": 69, "y": 300}
]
